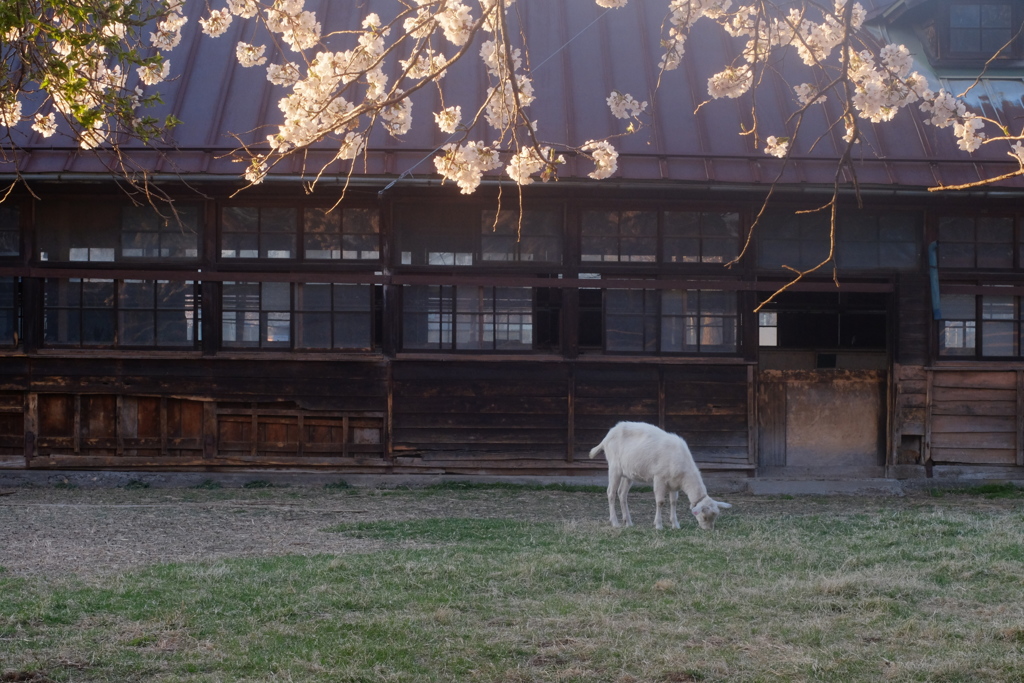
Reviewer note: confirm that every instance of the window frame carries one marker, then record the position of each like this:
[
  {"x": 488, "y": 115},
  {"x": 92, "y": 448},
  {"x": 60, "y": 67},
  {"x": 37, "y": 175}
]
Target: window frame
[
  {"x": 655, "y": 318},
  {"x": 981, "y": 325},
  {"x": 947, "y": 57},
  {"x": 447, "y": 319},
  {"x": 301, "y": 236},
  {"x": 113, "y": 313},
  {"x": 268, "y": 316}
]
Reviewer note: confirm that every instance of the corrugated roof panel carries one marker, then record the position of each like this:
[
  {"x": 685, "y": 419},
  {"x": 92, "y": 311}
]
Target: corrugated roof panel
[{"x": 579, "y": 53}]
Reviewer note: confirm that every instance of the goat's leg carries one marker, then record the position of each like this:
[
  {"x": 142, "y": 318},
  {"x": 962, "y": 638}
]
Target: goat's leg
[
  {"x": 613, "y": 486},
  {"x": 660, "y": 488},
  {"x": 673, "y": 496},
  {"x": 624, "y": 484}
]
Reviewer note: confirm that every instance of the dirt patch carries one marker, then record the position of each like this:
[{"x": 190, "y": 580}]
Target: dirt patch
[{"x": 95, "y": 532}]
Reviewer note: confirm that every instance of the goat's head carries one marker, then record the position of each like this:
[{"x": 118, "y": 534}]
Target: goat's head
[{"x": 706, "y": 511}]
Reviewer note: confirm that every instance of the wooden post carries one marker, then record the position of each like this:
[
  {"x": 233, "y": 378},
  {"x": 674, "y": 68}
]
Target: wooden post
[
  {"x": 570, "y": 392},
  {"x": 1020, "y": 418}
]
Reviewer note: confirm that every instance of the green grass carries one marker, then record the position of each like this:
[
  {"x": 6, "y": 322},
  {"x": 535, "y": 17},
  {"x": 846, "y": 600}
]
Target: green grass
[{"x": 784, "y": 590}]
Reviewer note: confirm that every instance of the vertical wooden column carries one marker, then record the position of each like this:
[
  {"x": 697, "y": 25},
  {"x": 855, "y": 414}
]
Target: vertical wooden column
[{"x": 1020, "y": 418}]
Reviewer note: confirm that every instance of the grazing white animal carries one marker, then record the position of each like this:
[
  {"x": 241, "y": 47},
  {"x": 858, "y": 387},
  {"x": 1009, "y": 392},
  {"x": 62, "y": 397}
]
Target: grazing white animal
[{"x": 637, "y": 451}]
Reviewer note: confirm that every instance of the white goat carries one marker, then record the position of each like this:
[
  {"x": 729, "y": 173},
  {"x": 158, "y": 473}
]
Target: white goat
[{"x": 637, "y": 451}]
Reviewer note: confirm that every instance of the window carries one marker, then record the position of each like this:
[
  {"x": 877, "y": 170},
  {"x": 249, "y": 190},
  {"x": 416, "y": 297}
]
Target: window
[
  {"x": 428, "y": 236},
  {"x": 10, "y": 233},
  {"x": 258, "y": 232},
  {"x": 994, "y": 320},
  {"x": 976, "y": 242},
  {"x": 346, "y": 233},
  {"x": 256, "y": 314},
  {"x": 864, "y": 240},
  {"x": 10, "y": 311},
  {"x": 324, "y": 315},
  {"x": 145, "y": 233},
  {"x": 529, "y": 235},
  {"x": 466, "y": 235},
  {"x": 700, "y": 237},
  {"x": 698, "y": 321},
  {"x": 979, "y": 29},
  {"x": 666, "y": 321},
  {"x": 83, "y": 312},
  {"x": 824, "y": 320},
  {"x": 83, "y": 231},
  {"x": 333, "y": 316},
  {"x": 158, "y": 313},
  {"x": 619, "y": 236},
  {"x": 443, "y": 317},
  {"x": 958, "y": 327}
]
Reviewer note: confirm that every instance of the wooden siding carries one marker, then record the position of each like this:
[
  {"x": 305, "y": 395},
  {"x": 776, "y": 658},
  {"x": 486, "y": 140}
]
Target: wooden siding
[
  {"x": 959, "y": 416},
  {"x": 402, "y": 416},
  {"x": 973, "y": 418}
]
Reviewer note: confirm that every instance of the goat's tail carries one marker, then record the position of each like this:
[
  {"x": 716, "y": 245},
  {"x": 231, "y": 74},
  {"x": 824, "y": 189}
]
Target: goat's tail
[{"x": 598, "y": 448}]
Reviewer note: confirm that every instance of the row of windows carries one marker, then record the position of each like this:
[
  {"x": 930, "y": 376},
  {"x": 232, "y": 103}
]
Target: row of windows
[
  {"x": 458, "y": 236},
  {"x": 86, "y": 312}
]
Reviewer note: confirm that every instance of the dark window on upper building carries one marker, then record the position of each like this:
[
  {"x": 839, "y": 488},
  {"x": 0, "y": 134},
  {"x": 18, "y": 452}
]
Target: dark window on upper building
[
  {"x": 978, "y": 30},
  {"x": 344, "y": 233},
  {"x": 108, "y": 232},
  {"x": 619, "y": 236},
  {"x": 700, "y": 236},
  {"x": 864, "y": 240},
  {"x": 467, "y": 236},
  {"x": 10, "y": 233},
  {"x": 983, "y": 242},
  {"x": 530, "y": 236}
]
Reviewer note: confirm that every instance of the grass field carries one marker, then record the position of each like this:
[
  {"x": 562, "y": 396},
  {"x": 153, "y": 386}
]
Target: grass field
[{"x": 925, "y": 588}]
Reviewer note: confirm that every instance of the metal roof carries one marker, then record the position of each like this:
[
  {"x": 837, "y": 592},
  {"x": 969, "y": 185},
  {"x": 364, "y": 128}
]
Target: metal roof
[{"x": 579, "y": 53}]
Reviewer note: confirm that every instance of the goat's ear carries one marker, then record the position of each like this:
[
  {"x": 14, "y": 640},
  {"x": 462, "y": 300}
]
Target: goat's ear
[{"x": 723, "y": 505}]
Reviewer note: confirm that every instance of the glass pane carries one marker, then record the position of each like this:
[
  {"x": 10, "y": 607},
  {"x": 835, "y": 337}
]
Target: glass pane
[
  {"x": 175, "y": 295},
  {"x": 996, "y": 16},
  {"x": 352, "y": 331},
  {"x": 322, "y": 237},
  {"x": 137, "y": 294},
  {"x": 175, "y": 328},
  {"x": 353, "y": 297},
  {"x": 965, "y": 16},
  {"x": 279, "y": 325},
  {"x": 97, "y": 326},
  {"x": 136, "y": 328},
  {"x": 314, "y": 297},
  {"x": 62, "y": 326},
  {"x": 600, "y": 223},
  {"x": 240, "y": 246},
  {"x": 999, "y": 339},
  {"x": 9, "y": 230},
  {"x": 278, "y": 246},
  {"x": 98, "y": 293},
  {"x": 276, "y": 296},
  {"x": 957, "y": 306},
  {"x": 956, "y": 338},
  {"x": 313, "y": 330},
  {"x": 241, "y": 296}
]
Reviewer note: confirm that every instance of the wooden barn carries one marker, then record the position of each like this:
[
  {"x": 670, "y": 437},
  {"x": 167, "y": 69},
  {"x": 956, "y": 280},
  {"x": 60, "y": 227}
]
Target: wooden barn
[{"x": 414, "y": 329}]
